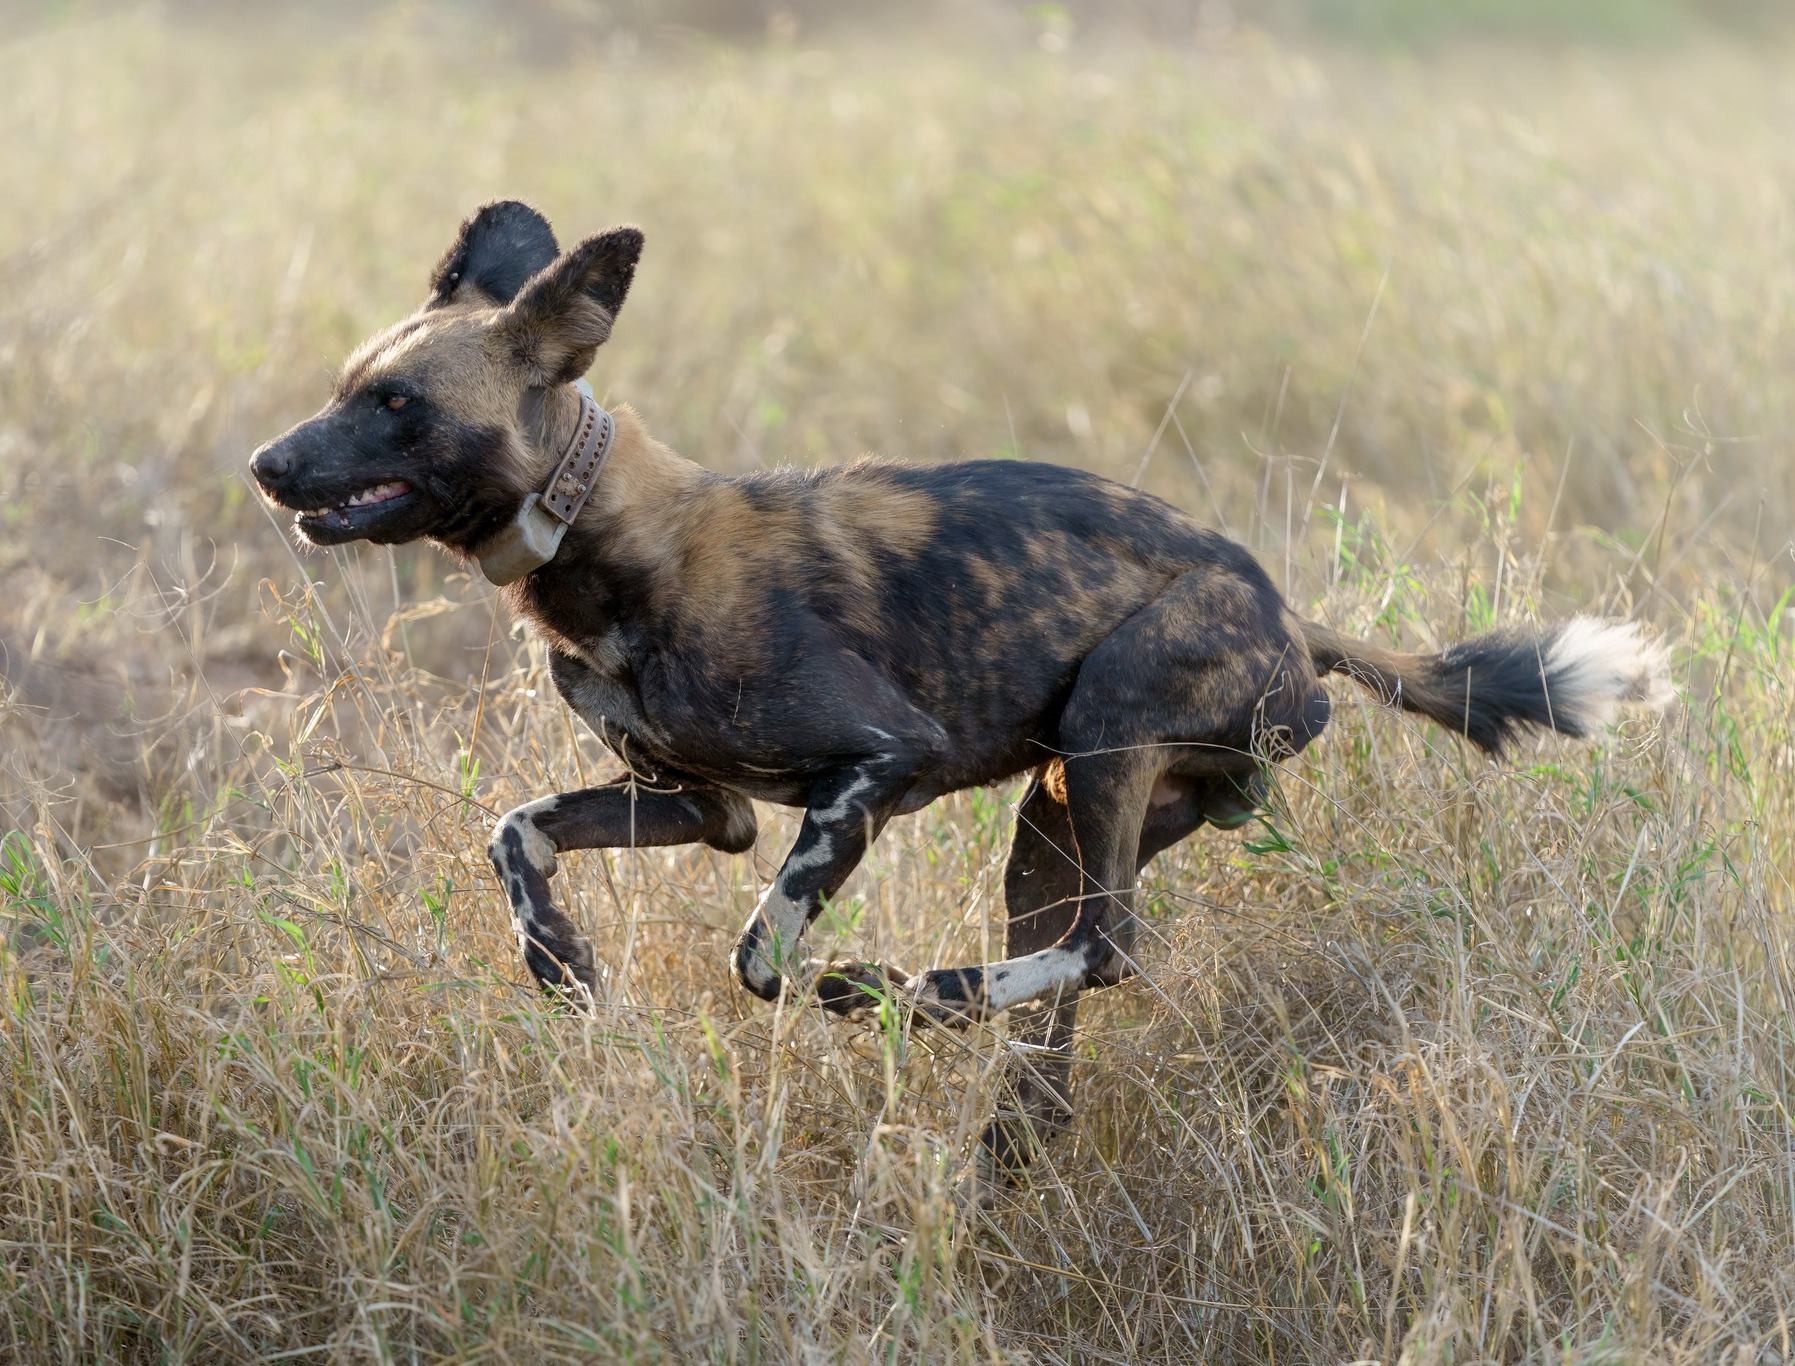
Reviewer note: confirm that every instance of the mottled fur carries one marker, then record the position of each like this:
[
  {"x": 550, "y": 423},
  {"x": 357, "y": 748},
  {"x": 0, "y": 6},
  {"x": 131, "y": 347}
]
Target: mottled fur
[{"x": 858, "y": 640}]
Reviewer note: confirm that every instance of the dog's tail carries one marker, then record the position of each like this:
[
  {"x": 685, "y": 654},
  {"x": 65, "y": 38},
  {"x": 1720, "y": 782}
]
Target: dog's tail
[{"x": 1571, "y": 678}]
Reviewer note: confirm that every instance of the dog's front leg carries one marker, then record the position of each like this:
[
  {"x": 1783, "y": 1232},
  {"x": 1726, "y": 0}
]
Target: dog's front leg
[
  {"x": 621, "y": 814},
  {"x": 846, "y": 812}
]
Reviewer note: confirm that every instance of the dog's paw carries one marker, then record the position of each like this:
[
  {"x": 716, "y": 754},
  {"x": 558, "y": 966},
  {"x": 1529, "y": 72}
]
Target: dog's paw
[
  {"x": 854, "y": 990},
  {"x": 562, "y": 963},
  {"x": 949, "y": 998}
]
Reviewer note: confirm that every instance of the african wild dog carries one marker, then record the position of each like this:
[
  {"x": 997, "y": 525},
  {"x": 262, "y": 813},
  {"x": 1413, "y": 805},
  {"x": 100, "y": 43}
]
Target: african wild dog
[{"x": 856, "y": 641}]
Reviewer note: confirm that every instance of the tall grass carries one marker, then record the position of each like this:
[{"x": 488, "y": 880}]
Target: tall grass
[{"x": 1443, "y": 1061}]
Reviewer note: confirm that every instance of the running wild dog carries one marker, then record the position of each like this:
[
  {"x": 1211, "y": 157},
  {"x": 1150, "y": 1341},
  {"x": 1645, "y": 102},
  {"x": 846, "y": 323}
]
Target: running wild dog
[{"x": 856, "y": 641}]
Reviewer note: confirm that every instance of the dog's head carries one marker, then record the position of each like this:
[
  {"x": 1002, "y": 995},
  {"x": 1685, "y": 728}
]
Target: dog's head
[{"x": 429, "y": 430}]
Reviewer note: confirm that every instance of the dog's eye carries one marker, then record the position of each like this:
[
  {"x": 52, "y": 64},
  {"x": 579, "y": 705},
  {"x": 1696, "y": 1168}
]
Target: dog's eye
[{"x": 396, "y": 401}]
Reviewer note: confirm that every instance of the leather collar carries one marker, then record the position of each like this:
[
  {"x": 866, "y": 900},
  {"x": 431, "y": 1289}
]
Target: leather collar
[{"x": 531, "y": 538}]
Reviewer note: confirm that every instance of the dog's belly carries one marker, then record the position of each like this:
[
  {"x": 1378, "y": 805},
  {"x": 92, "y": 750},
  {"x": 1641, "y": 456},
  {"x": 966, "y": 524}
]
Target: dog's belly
[{"x": 599, "y": 684}]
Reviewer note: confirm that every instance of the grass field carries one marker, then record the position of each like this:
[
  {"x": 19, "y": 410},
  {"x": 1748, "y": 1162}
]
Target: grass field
[{"x": 1444, "y": 1061}]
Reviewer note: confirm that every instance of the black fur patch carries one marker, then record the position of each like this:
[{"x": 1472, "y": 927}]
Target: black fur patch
[
  {"x": 847, "y": 991},
  {"x": 957, "y": 986},
  {"x": 456, "y": 468},
  {"x": 503, "y": 244},
  {"x": 1500, "y": 686}
]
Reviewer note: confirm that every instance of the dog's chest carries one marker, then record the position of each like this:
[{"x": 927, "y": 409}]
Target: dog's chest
[
  {"x": 598, "y": 682},
  {"x": 605, "y": 688}
]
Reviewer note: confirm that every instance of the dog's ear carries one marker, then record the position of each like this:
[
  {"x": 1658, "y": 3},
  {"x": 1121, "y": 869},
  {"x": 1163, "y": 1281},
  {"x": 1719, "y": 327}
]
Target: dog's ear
[
  {"x": 563, "y": 315},
  {"x": 502, "y": 245}
]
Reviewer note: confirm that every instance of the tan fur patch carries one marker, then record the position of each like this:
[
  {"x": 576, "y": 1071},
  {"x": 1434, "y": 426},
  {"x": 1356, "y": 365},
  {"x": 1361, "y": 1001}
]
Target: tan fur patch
[
  {"x": 712, "y": 548},
  {"x": 879, "y": 512},
  {"x": 449, "y": 353},
  {"x": 994, "y": 581}
]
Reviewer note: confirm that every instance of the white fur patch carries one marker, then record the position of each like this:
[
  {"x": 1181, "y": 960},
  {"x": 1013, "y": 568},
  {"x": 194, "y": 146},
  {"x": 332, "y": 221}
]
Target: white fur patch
[
  {"x": 835, "y": 813},
  {"x": 537, "y": 847},
  {"x": 778, "y": 923},
  {"x": 778, "y": 910},
  {"x": 1596, "y": 667},
  {"x": 1045, "y": 973}
]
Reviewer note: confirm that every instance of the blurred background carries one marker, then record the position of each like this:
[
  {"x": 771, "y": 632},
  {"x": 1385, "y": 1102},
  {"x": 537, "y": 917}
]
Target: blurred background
[{"x": 1457, "y": 312}]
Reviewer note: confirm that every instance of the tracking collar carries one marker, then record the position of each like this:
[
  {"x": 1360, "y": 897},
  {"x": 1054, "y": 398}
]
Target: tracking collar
[{"x": 531, "y": 538}]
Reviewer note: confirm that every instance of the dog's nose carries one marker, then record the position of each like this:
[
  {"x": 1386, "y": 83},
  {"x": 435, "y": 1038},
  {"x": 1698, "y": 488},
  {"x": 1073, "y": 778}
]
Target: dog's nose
[{"x": 271, "y": 462}]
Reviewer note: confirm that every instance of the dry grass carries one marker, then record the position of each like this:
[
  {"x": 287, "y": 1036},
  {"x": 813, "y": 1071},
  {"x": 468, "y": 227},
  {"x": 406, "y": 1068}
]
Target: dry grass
[{"x": 1447, "y": 1062}]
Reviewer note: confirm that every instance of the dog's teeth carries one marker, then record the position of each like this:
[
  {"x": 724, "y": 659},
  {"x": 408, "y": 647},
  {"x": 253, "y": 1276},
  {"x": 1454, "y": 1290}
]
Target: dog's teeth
[{"x": 378, "y": 494}]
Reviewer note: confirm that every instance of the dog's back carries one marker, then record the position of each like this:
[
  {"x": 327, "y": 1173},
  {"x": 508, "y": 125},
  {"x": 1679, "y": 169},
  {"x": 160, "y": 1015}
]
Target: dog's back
[{"x": 980, "y": 586}]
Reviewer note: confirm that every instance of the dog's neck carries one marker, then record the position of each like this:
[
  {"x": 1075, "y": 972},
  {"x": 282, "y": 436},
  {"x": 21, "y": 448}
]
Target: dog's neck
[
  {"x": 640, "y": 474},
  {"x": 549, "y": 418},
  {"x": 533, "y": 535},
  {"x": 614, "y": 558}
]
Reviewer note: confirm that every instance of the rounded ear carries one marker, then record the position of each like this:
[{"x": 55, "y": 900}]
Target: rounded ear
[
  {"x": 502, "y": 245},
  {"x": 564, "y": 313}
]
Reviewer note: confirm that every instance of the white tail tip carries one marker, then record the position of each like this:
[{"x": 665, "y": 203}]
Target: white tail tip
[{"x": 1595, "y": 667}]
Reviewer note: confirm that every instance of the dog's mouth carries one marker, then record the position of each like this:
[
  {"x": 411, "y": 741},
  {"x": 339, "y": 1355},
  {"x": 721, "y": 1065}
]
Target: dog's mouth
[{"x": 354, "y": 517}]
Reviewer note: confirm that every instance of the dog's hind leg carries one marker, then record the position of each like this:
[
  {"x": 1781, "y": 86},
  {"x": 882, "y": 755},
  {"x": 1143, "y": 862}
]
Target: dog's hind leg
[
  {"x": 622, "y": 814},
  {"x": 1040, "y": 898},
  {"x": 1202, "y": 685},
  {"x": 1040, "y": 892},
  {"x": 1107, "y": 788}
]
